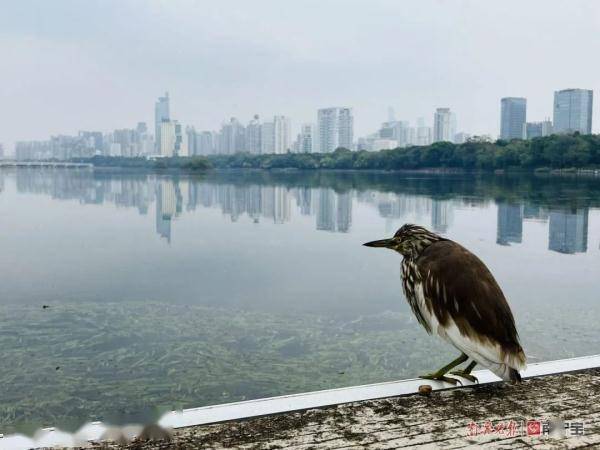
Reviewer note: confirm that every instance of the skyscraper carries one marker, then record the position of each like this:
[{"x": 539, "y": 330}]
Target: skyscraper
[
  {"x": 537, "y": 129},
  {"x": 267, "y": 138},
  {"x": 573, "y": 111},
  {"x": 168, "y": 138},
  {"x": 144, "y": 143},
  {"x": 335, "y": 128},
  {"x": 192, "y": 140},
  {"x": 126, "y": 138},
  {"x": 346, "y": 128},
  {"x": 444, "y": 125},
  {"x": 161, "y": 113},
  {"x": 424, "y": 133},
  {"x": 253, "y": 135},
  {"x": 282, "y": 134},
  {"x": 181, "y": 140},
  {"x": 205, "y": 143},
  {"x": 306, "y": 138},
  {"x": 512, "y": 117},
  {"x": 232, "y": 137}
]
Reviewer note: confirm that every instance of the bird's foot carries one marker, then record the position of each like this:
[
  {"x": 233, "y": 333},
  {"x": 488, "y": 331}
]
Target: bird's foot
[
  {"x": 439, "y": 377},
  {"x": 465, "y": 375}
]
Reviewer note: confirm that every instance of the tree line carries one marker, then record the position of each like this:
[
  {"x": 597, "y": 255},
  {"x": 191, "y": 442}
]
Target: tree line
[{"x": 552, "y": 152}]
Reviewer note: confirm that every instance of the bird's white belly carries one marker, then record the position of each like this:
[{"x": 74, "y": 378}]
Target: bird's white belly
[
  {"x": 486, "y": 354},
  {"x": 432, "y": 321}
]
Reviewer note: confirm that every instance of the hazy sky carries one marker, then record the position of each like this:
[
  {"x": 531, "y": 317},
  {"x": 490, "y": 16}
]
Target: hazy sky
[{"x": 68, "y": 65}]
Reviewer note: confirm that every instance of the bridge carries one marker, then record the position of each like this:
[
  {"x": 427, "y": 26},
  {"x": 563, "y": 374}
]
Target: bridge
[{"x": 45, "y": 164}]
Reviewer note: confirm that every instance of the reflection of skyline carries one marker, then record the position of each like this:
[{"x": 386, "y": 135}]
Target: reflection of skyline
[
  {"x": 166, "y": 208},
  {"x": 441, "y": 215},
  {"x": 509, "y": 224},
  {"x": 568, "y": 231},
  {"x": 332, "y": 210}
]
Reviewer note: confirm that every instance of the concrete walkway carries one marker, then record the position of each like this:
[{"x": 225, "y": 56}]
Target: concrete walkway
[{"x": 491, "y": 415}]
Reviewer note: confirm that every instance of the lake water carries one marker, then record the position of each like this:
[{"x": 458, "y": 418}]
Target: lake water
[{"x": 126, "y": 295}]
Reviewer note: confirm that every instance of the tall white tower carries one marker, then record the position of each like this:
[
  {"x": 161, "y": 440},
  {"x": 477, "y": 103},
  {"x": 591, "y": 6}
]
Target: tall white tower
[{"x": 444, "y": 125}]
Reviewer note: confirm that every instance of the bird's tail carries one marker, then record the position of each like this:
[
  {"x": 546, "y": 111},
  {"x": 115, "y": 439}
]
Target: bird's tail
[
  {"x": 512, "y": 362},
  {"x": 508, "y": 367},
  {"x": 514, "y": 375}
]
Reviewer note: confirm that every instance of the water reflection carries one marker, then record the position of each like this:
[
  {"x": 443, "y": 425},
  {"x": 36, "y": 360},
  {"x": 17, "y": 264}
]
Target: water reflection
[
  {"x": 510, "y": 224},
  {"x": 277, "y": 199},
  {"x": 568, "y": 231},
  {"x": 172, "y": 291}
]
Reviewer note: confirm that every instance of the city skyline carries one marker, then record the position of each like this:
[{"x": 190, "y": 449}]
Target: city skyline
[
  {"x": 334, "y": 128},
  {"x": 233, "y": 68}
]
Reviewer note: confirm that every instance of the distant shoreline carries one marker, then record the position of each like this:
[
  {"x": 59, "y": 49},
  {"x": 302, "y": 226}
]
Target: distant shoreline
[
  {"x": 573, "y": 154},
  {"x": 570, "y": 171}
]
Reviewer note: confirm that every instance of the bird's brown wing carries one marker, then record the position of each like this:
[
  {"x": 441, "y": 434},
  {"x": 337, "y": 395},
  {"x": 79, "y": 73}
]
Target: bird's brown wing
[{"x": 457, "y": 285}]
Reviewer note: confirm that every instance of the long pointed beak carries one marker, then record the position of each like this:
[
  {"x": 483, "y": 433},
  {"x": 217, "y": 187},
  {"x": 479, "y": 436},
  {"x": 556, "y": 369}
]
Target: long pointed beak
[{"x": 379, "y": 243}]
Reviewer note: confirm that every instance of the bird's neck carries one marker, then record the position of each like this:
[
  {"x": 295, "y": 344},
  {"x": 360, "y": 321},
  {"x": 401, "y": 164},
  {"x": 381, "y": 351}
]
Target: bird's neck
[{"x": 416, "y": 246}]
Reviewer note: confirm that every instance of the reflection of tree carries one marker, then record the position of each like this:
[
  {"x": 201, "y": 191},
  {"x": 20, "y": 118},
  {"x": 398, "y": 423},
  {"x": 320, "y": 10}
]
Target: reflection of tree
[
  {"x": 329, "y": 196},
  {"x": 540, "y": 190}
]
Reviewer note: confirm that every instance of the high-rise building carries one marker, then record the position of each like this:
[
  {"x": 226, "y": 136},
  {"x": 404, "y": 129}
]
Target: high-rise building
[
  {"x": 444, "y": 125},
  {"x": 192, "y": 140},
  {"x": 232, "y": 139},
  {"x": 306, "y": 138},
  {"x": 424, "y": 133},
  {"x": 537, "y": 129},
  {"x": 161, "y": 113},
  {"x": 126, "y": 138},
  {"x": 168, "y": 138},
  {"x": 205, "y": 143},
  {"x": 512, "y": 117},
  {"x": 144, "y": 142},
  {"x": 267, "y": 138},
  {"x": 335, "y": 128},
  {"x": 399, "y": 131},
  {"x": 282, "y": 134},
  {"x": 573, "y": 111},
  {"x": 30, "y": 150},
  {"x": 253, "y": 135},
  {"x": 346, "y": 128},
  {"x": 181, "y": 140},
  {"x": 1, "y": 151},
  {"x": 92, "y": 141}
]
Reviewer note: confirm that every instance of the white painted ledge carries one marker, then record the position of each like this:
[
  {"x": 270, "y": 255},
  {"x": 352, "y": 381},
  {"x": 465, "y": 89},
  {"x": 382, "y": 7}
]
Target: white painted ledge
[
  {"x": 295, "y": 402},
  {"x": 286, "y": 403}
]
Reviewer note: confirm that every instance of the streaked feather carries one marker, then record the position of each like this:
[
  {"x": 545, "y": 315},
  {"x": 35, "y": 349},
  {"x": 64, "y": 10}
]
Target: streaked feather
[{"x": 477, "y": 320}]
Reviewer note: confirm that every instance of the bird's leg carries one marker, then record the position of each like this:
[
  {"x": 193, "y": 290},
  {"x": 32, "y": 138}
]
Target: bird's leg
[
  {"x": 466, "y": 372},
  {"x": 440, "y": 374}
]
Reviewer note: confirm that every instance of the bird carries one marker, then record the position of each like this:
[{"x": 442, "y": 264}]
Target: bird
[{"x": 455, "y": 296}]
